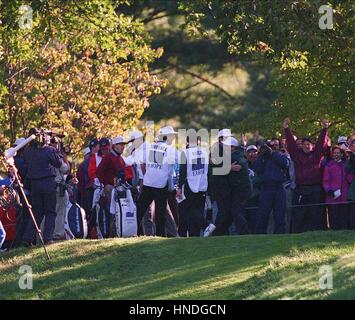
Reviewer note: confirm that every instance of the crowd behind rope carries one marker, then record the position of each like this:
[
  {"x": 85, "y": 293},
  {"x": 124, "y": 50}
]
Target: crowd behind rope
[{"x": 288, "y": 185}]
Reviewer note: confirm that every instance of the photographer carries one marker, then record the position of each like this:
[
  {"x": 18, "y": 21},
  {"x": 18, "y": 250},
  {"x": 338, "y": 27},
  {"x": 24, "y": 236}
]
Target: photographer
[
  {"x": 61, "y": 197},
  {"x": 41, "y": 161},
  {"x": 271, "y": 167}
]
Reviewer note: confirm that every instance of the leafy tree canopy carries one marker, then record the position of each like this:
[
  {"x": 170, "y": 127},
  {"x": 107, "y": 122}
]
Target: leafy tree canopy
[
  {"x": 314, "y": 77},
  {"x": 74, "y": 66}
]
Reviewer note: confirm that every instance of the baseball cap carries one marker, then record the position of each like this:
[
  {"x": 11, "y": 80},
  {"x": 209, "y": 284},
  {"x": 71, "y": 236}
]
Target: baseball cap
[
  {"x": 94, "y": 142},
  {"x": 251, "y": 147},
  {"x": 342, "y": 140},
  {"x": 308, "y": 139},
  {"x": 224, "y": 133},
  {"x": 165, "y": 131},
  {"x": 231, "y": 141},
  {"x": 118, "y": 140},
  {"x": 133, "y": 135},
  {"x": 86, "y": 151},
  {"x": 104, "y": 142}
]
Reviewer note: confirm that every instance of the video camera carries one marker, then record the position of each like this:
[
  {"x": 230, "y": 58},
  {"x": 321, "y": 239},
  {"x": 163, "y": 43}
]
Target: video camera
[
  {"x": 44, "y": 136},
  {"x": 265, "y": 148}
]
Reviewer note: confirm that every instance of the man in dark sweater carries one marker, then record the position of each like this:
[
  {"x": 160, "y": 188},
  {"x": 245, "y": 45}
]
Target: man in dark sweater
[
  {"x": 234, "y": 189},
  {"x": 271, "y": 168},
  {"x": 307, "y": 162},
  {"x": 41, "y": 162}
]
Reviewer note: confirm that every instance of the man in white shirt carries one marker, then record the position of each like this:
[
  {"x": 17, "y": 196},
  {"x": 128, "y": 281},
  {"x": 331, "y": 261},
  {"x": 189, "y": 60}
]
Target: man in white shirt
[
  {"x": 158, "y": 168},
  {"x": 193, "y": 184}
]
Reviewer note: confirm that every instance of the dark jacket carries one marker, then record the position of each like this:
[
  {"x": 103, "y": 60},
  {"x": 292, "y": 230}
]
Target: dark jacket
[
  {"x": 21, "y": 166},
  {"x": 41, "y": 163},
  {"x": 240, "y": 178},
  {"x": 272, "y": 170},
  {"x": 307, "y": 166}
]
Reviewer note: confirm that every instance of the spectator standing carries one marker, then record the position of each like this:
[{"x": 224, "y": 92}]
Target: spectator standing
[
  {"x": 271, "y": 168},
  {"x": 308, "y": 179},
  {"x": 336, "y": 188}
]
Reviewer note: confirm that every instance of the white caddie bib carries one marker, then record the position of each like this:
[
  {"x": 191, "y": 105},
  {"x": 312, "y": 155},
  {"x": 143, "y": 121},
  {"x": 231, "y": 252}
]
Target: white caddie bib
[
  {"x": 159, "y": 166},
  {"x": 197, "y": 169}
]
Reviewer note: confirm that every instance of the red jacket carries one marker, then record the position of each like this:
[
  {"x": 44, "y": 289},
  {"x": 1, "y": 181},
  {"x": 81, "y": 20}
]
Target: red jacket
[
  {"x": 93, "y": 164},
  {"x": 109, "y": 166},
  {"x": 307, "y": 166}
]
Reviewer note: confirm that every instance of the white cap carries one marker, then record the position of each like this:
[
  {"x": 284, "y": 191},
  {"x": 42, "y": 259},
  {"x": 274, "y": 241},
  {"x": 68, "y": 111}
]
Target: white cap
[
  {"x": 342, "y": 139},
  {"x": 225, "y": 133},
  {"x": 251, "y": 147},
  {"x": 133, "y": 135},
  {"x": 117, "y": 140},
  {"x": 165, "y": 131},
  {"x": 86, "y": 151},
  {"x": 231, "y": 141},
  {"x": 19, "y": 141}
]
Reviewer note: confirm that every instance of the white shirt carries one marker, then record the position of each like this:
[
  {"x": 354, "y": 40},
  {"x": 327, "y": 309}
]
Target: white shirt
[{"x": 159, "y": 159}]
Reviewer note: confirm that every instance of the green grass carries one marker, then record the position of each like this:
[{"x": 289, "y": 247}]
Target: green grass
[{"x": 244, "y": 267}]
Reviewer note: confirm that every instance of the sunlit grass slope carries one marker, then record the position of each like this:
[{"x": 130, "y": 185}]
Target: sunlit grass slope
[{"x": 244, "y": 267}]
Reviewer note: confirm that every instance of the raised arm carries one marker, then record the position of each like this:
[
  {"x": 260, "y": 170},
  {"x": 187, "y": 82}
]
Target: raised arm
[
  {"x": 291, "y": 143},
  {"x": 55, "y": 158},
  {"x": 322, "y": 140}
]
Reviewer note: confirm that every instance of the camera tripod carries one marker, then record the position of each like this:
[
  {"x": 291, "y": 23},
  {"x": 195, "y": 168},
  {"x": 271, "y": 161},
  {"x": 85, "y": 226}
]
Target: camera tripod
[
  {"x": 9, "y": 163},
  {"x": 13, "y": 169}
]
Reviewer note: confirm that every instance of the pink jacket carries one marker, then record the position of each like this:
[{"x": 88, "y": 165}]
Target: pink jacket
[{"x": 334, "y": 178}]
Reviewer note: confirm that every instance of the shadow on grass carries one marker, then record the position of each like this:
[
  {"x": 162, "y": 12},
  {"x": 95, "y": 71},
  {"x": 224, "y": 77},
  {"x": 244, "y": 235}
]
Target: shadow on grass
[{"x": 260, "y": 267}]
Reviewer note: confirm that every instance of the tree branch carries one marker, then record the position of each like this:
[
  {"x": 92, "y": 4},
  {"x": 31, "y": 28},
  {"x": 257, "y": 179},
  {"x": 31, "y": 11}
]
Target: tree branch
[
  {"x": 183, "y": 89},
  {"x": 202, "y": 78},
  {"x": 156, "y": 16}
]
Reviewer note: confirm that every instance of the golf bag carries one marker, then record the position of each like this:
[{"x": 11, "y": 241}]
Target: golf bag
[
  {"x": 75, "y": 222},
  {"x": 100, "y": 206},
  {"x": 124, "y": 211},
  {"x": 76, "y": 226}
]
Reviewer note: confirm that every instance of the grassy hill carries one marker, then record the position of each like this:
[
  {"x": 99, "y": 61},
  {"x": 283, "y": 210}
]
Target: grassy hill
[{"x": 244, "y": 267}]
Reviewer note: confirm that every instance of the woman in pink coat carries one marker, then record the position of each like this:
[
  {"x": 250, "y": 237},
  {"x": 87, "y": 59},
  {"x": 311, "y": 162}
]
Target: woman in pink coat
[{"x": 336, "y": 188}]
